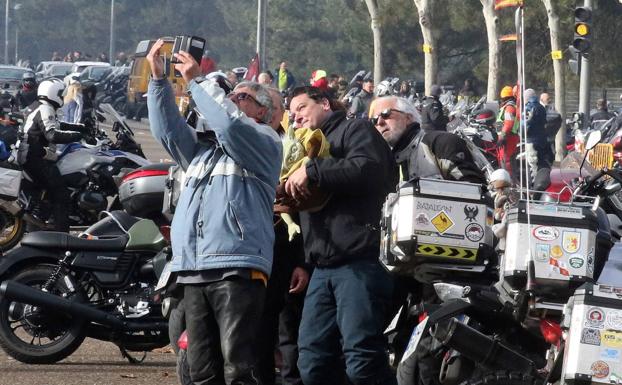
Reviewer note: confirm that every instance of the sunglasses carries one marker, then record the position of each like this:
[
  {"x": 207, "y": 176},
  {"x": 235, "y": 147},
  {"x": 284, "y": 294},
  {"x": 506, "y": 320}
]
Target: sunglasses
[
  {"x": 384, "y": 114},
  {"x": 237, "y": 97}
]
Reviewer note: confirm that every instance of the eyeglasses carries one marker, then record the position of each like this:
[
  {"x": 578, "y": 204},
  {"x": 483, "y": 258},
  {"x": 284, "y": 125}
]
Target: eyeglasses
[
  {"x": 237, "y": 97},
  {"x": 384, "y": 114}
]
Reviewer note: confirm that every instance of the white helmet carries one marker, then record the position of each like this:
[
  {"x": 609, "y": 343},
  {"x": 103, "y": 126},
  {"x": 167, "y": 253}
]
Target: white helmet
[
  {"x": 383, "y": 88},
  {"x": 51, "y": 90}
]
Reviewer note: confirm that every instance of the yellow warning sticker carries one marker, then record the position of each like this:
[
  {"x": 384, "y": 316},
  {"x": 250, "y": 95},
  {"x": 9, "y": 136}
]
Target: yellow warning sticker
[
  {"x": 557, "y": 55},
  {"x": 442, "y": 222},
  {"x": 427, "y": 48},
  {"x": 447, "y": 252}
]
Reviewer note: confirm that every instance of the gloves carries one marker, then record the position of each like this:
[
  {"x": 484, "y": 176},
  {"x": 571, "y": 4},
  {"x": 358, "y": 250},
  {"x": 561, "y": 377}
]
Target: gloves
[{"x": 501, "y": 141}]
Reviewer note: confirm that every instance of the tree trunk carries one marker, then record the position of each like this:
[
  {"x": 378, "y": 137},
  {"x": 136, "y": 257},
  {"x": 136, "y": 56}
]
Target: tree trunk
[
  {"x": 376, "y": 28},
  {"x": 430, "y": 34},
  {"x": 494, "y": 49},
  {"x": 558, "y": 69}
]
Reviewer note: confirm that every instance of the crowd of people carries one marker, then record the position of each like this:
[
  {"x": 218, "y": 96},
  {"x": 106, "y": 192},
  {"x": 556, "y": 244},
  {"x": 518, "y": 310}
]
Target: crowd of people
[
  {"x": 244, "y": 277},
  {"x": 304, "y": 277}
]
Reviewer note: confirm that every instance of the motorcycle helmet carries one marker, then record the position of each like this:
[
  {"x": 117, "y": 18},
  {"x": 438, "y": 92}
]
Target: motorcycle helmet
[
  {"x": 484, "y": 116},
  {"x": 51, "y": 90},
  {"x": 92, "y": 201},
  {"x": 383, "y": 89},
  {"x": 222, "y": 81},
  {"x": 29, "y": 80},
  {"x": 506, "y": 92}
]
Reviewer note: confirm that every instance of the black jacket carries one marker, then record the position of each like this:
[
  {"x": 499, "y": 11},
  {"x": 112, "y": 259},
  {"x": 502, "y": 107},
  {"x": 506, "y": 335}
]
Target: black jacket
[
  {"x": 432, "y": 116},
  {"x": 451, "y": 155},
  {"x": 359, "y": 175}
]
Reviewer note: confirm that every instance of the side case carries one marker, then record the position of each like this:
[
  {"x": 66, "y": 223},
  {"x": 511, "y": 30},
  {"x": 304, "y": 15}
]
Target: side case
[
  {"x": 593, "y": 348},
  {"x": 557, "y": 240}
]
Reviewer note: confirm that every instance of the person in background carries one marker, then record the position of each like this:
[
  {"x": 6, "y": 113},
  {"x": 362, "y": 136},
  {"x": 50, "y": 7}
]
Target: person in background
[
  {"x": 468, "y": 92},
  {"x": 539, "y": 153},
  {"x": 232, "y": 77},
  {"x": 264, "y": 78},
  {"x": 333, "y": 86},
  {"x": 601, "y": 114},
  {"x": 28, "y": 93},
  {"x": 432, "y": 115},
  {"x": 121, "y": 60},
  {"x": 507, "y": 129},
  {"x": 73, "y": 103},
  {"x": 319, "y": 80},
  {"x": 285, "y": 81},
  {"x": 362, "y": 100}
]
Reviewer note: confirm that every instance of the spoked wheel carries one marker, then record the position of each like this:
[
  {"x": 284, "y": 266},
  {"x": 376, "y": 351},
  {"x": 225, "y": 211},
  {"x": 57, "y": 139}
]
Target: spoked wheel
[
  {"x": 12, "y": 230},
  {"x": 39, "y": 335}
]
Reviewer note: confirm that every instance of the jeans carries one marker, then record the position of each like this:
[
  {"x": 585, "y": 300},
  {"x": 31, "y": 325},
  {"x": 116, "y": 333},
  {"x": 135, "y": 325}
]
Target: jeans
[
  {"x": 222, "y": 321},
  {"x": 345, "y": 312}
]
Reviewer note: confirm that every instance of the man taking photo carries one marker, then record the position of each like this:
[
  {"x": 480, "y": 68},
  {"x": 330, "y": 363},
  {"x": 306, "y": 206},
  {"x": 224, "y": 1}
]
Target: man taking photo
[{"x": 222, "y": 236}]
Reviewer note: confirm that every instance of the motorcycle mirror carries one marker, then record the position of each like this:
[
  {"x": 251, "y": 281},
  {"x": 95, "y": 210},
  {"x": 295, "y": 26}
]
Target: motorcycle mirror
[{"x": 593, "y": 139}]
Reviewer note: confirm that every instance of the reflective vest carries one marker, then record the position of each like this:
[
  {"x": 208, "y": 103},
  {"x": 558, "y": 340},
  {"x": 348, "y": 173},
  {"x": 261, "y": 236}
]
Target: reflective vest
[{"x": 501, "y": 118}]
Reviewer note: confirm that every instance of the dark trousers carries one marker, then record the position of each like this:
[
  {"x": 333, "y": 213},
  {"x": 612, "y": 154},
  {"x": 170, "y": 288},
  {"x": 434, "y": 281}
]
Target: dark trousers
[
  {"x": 222, "y": 324},
  {"x": 289, "y": 323},
  {"x": 345, "y": 312},
  {"x": 45, "y": 174},
  {"x": 279, "y": 324}
]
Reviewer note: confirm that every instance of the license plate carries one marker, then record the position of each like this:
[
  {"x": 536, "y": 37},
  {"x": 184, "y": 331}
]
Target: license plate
[
  {"x": 415, "y": 337},
  {"x": 164, "y": 277}
]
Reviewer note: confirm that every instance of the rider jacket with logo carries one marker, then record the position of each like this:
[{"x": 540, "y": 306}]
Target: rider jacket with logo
[
  {"x": 435, "y": 154},
  {"x": 42, "y": 131}
]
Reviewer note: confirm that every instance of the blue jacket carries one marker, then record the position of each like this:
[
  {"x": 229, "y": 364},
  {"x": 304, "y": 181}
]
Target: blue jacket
[
  {"x": 536, "y": 120},
  {"x": 224, "y": 215}
]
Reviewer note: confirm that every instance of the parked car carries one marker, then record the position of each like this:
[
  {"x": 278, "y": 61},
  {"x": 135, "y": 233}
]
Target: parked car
[
  {"x": 11, "y": 77},
  {"x": 79, "y": 66},
  {"x": 57, "y": 70}
]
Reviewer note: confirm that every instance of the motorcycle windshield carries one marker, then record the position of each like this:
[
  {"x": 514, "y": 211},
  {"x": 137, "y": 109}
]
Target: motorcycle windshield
[{"x": 569, "y": 167}]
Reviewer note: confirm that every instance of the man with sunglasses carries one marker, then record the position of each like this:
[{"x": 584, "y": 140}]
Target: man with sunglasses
[
  {"x": 349, "y": 292},
  {"x": 222, "y": 235},
  {"x": 432, "y": 154}
]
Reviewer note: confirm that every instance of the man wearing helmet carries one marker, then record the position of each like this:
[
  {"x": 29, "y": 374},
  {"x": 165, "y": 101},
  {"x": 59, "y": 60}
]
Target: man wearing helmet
[
  {"x": 37, "y": 147},
  {"x": 28, "y": 93},
  {"x": 508, "y": 124}
]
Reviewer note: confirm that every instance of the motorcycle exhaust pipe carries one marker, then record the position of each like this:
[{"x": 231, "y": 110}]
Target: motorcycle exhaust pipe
[
  {"x": 479, "y": 347},
  {"x": 16, "y": 291}
]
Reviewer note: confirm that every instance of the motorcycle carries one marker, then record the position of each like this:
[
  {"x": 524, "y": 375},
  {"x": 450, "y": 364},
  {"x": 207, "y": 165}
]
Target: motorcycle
[
  {"x": 475, "y": 123},
  {"x": 110, "y": 284},
  {"x": 91, "y": 172}
]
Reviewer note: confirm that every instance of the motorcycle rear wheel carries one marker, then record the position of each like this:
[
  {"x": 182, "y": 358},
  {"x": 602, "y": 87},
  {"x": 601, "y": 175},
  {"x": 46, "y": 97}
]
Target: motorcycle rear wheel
[
  {"x": 12, "y": 230},
  {"x": 36, "y": 335}
]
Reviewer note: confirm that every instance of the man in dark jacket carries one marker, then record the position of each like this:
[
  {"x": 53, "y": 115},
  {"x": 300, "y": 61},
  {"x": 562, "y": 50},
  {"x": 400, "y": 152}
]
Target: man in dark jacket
[
  {"x": 433, "y": 154},
  {"x": 362, "y": 100},
  {"x": 539, "y": 152},
  {"x": 432, "y": 117},
  {"x": 602, "y": 114},
  {"x": 349, "y": 292}
]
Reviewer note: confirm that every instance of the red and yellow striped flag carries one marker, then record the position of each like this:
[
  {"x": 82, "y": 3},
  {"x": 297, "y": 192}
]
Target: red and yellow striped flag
[{"x": 510, "y": 37}]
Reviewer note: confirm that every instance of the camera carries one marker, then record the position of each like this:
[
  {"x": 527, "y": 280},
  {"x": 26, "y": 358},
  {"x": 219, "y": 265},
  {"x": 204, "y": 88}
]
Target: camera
[{"x": 191, "y": 44}]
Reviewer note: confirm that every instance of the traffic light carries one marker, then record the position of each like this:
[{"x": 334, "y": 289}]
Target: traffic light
[
  {"x": 582, "y": 29},
  {"x": 574, "y": 62}
]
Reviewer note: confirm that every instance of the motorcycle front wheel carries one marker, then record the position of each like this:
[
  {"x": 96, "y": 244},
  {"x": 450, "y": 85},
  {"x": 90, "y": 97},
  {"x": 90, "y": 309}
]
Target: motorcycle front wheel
[
  {"x": 39, "y": 335},
  {"x": 12, "y": 230}
]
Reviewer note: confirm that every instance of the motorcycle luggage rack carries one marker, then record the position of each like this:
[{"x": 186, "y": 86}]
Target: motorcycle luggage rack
[{"x": 555, "y": 197}]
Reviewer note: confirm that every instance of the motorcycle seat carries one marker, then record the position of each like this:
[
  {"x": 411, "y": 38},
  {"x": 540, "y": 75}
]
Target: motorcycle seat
[{"x": 64, "y": 241}]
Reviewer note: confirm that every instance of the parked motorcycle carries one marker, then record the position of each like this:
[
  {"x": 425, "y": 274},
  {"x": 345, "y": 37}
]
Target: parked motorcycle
[
  {"x": 91, "y": 172},
  {"x": 112, "y": 286}
]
